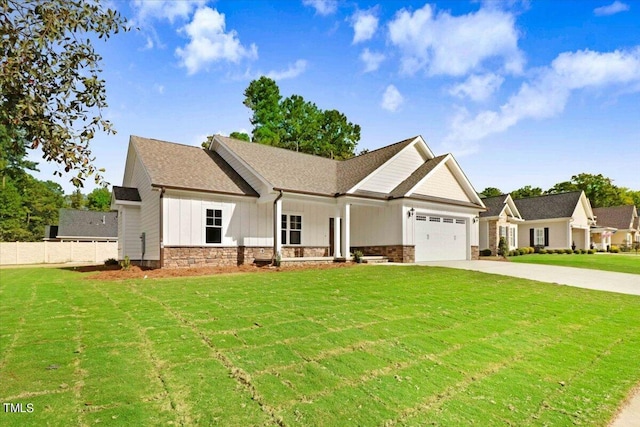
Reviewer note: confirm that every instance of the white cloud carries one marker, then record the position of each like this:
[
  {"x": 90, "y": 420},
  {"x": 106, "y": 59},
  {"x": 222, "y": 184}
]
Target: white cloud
[
  {"x": 478, "y": 87},
  {"x": 165, "y": 9},
  {"x": 210, "y": 43},
  {"x": 293, "y": 71},
  {"x": 372, "y": 60},
  {"x": 322, "y": 7},
  {"x": 442, "y": 44},
  {"x": 365, "y": 24},
  {"x": 159, "y": 88},
  {"x": 392, "y": 99},
  {"x": 612, "y": 9},
  {"x": 547, "y": 95}
]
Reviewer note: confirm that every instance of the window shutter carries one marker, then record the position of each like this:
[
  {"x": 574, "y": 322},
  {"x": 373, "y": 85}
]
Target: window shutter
[
  {"x": 546, "y": 236},
  {"x": 531, "y": 241}
]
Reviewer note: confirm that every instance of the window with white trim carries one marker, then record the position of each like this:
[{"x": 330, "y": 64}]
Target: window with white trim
[
  {"x": 291, "y": 229},
  {"x": 213, "y": 228},
  {"x": 512, "y": 237},
  {"x": 539, "y": 236}
]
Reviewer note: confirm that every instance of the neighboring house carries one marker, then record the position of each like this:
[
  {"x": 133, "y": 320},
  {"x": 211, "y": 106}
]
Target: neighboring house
[
  {"x": 84, "y": 226},
  {"x": 501, "y": 219},
  {"x": 236, "y": 202},
  {"x": 617, "y": 225},
  {"x": 556, "y": 221}
]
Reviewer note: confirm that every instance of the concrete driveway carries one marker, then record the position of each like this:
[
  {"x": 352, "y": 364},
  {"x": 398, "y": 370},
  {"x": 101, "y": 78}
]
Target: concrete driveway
[{"x": 623, "y": 283}]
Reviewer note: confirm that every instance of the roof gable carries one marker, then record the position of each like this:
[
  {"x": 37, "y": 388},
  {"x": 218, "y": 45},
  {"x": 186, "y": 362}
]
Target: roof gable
[
  {"x": 620, "y": 217},
  {"x": 551, "y": 206},
  {"x": 187, "y": 167}
]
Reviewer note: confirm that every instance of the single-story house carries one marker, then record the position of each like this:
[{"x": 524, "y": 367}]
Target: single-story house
[
  {"x": 617, "y": 225},
  {"x": 83, "y": 226},
  {"x": 556, "y": 221},
  {"x": 501, "y": 219},
  {"x": 236, "y": 202}
]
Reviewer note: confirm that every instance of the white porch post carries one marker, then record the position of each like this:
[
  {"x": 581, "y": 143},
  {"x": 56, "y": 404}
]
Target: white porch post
[
  {"x": 336, "y": 234},
  {"x": 278, "y": 227},
  {"x": 587, "y": 239},
  {"x": 346, "y": 225}
]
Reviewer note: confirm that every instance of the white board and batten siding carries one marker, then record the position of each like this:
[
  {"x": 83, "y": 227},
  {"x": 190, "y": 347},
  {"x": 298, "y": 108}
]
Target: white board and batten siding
[
  {"x": 376, "y": 225},
  {"x": 398, "y": 169},
  {"x": 149, "y": 215},
  {"x": 244, "y": 221}
]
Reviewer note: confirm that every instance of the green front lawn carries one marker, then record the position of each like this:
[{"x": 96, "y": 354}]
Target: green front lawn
[
  {"x": 622, "y": 263},
  {"x": 367, "y": 345}
]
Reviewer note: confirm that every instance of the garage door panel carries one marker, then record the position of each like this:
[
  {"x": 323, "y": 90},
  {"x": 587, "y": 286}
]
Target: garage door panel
[{"x": 440, "y": 238}]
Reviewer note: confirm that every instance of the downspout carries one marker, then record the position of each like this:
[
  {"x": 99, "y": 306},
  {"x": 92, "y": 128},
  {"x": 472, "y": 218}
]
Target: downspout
[
  {"x": 275, "y": 227},
  {"x": 160, "y": 209}
]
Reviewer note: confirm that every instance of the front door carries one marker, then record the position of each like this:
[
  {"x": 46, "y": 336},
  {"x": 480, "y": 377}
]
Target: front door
[{"x": 331, "y": 236}]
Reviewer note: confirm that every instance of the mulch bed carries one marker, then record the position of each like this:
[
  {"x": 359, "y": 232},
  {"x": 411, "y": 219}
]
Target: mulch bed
[{"x": 114, "y": 272}]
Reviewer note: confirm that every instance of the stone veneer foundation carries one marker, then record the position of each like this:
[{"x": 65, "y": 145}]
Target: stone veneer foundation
[
  {"x": 475, "y": 252},
  {"x": 186, "y": 257},
  {"x": 394, "y": 253}
]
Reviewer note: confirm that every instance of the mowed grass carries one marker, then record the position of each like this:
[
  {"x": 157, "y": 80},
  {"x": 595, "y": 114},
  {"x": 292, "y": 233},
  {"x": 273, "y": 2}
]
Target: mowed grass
[
  {"x": 367, "y": 345},
  {"x": 622, "y": 263}
]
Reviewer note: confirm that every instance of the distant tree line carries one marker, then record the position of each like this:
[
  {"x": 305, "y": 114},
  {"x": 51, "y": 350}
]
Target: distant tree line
[
  {"x": 599, "y": 189},
  {"x": 28, "y": 204}
]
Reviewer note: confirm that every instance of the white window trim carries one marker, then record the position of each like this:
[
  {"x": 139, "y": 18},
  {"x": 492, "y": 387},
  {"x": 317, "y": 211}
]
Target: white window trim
[
  {"x": 221, "y": 226},
  {"x": 287, "y": 228},
  {"x": 538, "y": 236}
]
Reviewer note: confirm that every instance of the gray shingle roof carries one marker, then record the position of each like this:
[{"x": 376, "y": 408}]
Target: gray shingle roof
[
  {"x": 185, "y": 166},
  {"x": 82, "y": 224},
  {"x": 308, "y": 173},
  {"x": 494, "y": 205},
  {"x": 546, "y": 207},
  {"x": 416, "y": 176},
  {"x": 129, "y": 194},
  {"x": 620, "y": 217}
]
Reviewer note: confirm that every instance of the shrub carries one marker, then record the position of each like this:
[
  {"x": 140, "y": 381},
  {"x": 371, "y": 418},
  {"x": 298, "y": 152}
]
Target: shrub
[
  {"x": 523, "y": 251},
  {"x": 600, "y": 250},
  {"x": 357, "y": 256},
  {"x": 503, "y": 249},
  {"x": 125, "y": 263},
  {"x": 614, "y": 249},
  {"x": 542, "y": 251},
  {"x": 485, "y": 252},
  {"x": 568, "y": 251},
  {"x": 514, "y": 252},
  {"x": 531, "y": 250},
  {"x": 591, "y": 251},
  {"x": 111, "y": 261}
]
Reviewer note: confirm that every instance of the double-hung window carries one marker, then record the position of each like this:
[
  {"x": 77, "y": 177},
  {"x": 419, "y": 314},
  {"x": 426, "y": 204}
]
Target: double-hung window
[
  {"x": 539, "y": 237},
  {"x": 291, "y": 229},
  {"x": 512, "y": 237},
  {"x": 214, "y": 226}
]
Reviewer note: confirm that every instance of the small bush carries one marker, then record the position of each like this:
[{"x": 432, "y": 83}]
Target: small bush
[
  {"x": 523, "y": 251},
  {"x": 357, "y": 256},
  {"x": 591, "y": 251},
  {"x": 568, "y": 251},
  {"x": 542, "y": 251},
  {"x": 125, "y": 263},
  {"x": 600, "y": 250},
  {"x": 530, "y": 250},
  {"x": 503, "y": 249},
  {"x": 514, "y": 252},
  {"x": 111, "y": 261},
  {"x": 614, "y": 249},
  {"x": 485, "y": 252}
]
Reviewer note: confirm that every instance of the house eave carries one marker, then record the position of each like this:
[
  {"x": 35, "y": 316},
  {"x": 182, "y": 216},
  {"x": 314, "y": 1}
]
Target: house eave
[{"x": 199, "y": 190}]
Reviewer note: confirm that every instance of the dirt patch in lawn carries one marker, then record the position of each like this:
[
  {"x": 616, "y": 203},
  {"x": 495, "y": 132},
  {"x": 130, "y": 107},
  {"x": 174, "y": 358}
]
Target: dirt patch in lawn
[{"x": 115, "y": 272}]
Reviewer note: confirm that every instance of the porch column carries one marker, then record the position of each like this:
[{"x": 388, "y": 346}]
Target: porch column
[
  {"x": 277, "y": 229},
  {"x": 336, "y": 234},
  {"x": 587, "y": 239},
  {"x": 346, "y": 233}
]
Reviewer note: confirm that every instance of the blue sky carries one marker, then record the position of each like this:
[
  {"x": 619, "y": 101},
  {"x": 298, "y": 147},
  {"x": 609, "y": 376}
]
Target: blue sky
[{"x": 522, "y": 93}]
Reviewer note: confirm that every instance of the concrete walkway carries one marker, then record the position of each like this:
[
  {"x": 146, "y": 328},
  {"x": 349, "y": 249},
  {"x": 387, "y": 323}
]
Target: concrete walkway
[
  {"x": 623, "y": 283},
  {"x": 629, "y": 415}
]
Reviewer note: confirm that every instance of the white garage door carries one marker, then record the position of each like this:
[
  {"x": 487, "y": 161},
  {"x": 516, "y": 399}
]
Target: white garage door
[{"x": 440, "y": 238}]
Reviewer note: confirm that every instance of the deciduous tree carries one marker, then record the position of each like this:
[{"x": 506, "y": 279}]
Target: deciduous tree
[
  {"x": 491, "y": 192},
  {"x": 99, "y": 199},
  {"x": 51, "y": 93}
]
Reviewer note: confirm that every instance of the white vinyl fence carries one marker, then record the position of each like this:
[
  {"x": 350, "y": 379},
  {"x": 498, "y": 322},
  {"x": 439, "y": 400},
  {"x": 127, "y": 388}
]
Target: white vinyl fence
[{"x": 14, "y": 253}]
